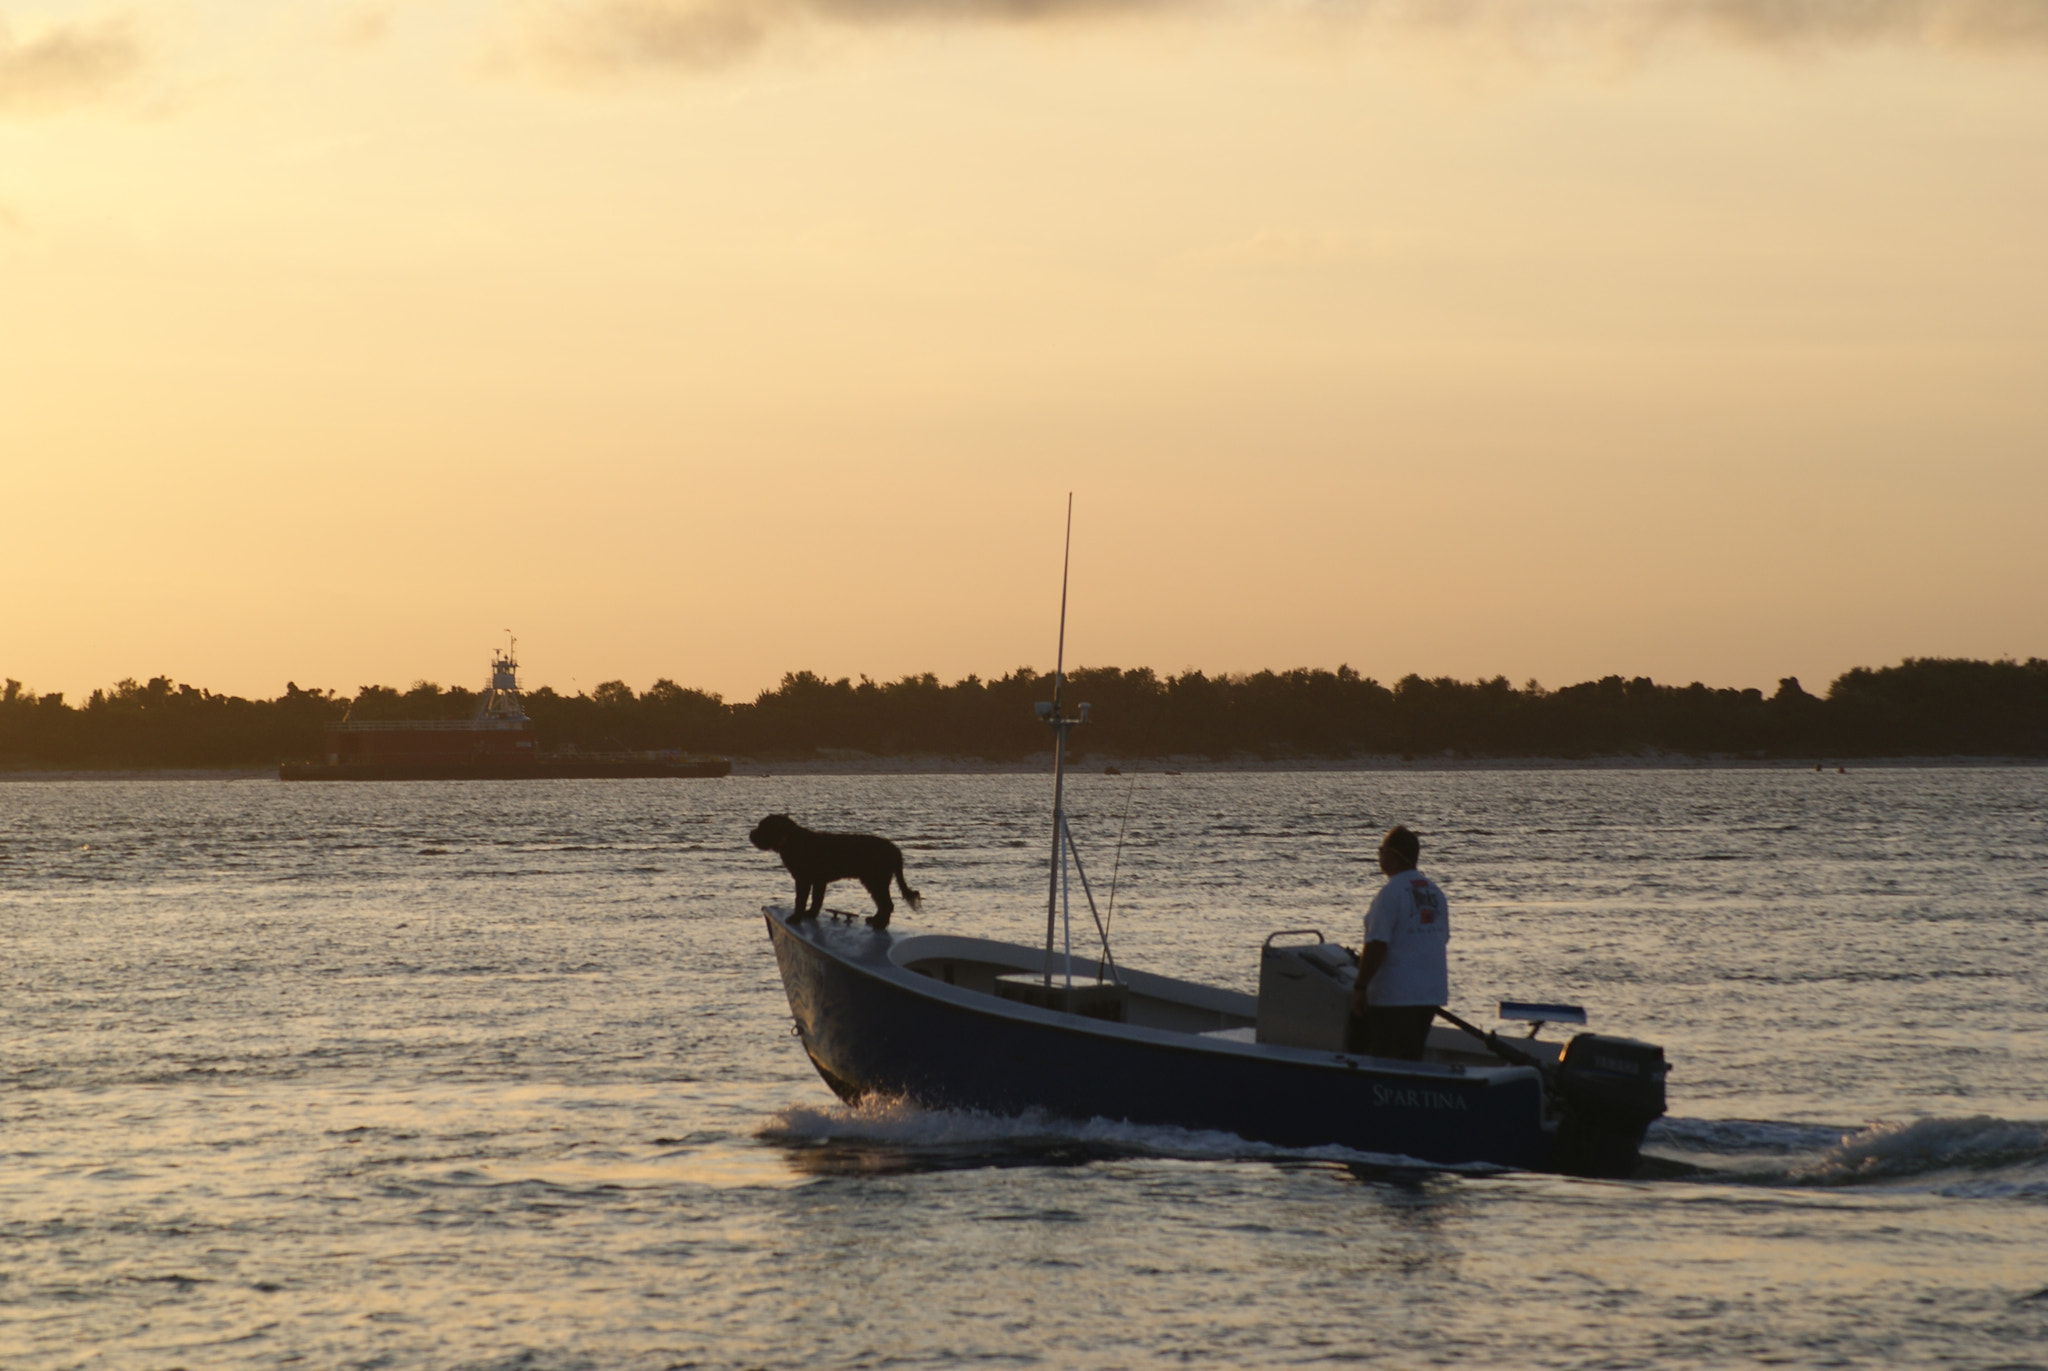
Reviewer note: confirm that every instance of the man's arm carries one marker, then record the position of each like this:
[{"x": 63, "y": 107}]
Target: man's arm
[{"x": 1375, "y": 957}]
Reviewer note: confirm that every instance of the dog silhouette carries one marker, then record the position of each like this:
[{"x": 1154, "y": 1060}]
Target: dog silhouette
[{"x": 818, "y": 859}]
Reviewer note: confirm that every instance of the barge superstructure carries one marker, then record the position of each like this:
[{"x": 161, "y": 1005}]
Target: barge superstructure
[{"x": 497, "y": 742}]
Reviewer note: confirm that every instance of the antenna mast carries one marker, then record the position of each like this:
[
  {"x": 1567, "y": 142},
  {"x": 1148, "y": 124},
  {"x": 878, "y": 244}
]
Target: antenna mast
[
  {"x": 1057, "y": 892},
  {"x": 1060, "y": 727}
]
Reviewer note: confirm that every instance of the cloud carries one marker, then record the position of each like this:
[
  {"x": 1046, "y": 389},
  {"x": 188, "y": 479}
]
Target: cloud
[
  {"x": 1788, "y": 24},
  {"x": 616, "y": 36},
  {"x": 65, "y": 65},
  {"x": 364, "y": 25},
  {"x": 693, "y": 35},
  {"x": 1987, "y": 23},
  {"x": 596, "y": 37}
]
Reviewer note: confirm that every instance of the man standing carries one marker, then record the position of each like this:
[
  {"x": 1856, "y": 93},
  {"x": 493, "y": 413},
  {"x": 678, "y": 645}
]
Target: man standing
[{"x": 1403, "y": 976}]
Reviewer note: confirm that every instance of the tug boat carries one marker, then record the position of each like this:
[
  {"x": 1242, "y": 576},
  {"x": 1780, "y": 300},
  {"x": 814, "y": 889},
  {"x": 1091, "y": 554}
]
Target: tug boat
[
  {"x": 964, "y": 1023},
  {"x": 496, "y": 743}
]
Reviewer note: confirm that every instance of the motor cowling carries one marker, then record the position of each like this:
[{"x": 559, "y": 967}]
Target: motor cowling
[{"x": 1610, "y": 1090}]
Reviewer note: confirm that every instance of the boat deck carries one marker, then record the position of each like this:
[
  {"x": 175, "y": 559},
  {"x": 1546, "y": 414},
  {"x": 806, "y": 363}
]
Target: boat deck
[{"x": 1139, "y": 999}]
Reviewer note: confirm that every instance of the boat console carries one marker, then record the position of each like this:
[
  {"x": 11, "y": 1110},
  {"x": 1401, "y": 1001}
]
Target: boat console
[{"x": 1305, "y": 990}]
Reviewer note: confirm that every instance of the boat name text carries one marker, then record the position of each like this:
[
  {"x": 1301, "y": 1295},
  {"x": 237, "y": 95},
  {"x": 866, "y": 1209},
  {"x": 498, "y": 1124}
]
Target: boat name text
[{"x": 1418, "y": 1099}]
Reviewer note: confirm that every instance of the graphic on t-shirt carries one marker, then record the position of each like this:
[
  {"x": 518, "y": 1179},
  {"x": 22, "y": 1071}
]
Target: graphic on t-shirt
[{"x": 1426, "y": 907}]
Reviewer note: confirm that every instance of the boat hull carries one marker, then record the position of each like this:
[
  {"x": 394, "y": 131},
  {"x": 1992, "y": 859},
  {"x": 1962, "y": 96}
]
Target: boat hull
[{"x": 873, "y": 1026}]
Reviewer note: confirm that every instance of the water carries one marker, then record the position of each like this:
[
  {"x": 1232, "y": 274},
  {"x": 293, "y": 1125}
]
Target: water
[{"x": 500, "y": 1075}]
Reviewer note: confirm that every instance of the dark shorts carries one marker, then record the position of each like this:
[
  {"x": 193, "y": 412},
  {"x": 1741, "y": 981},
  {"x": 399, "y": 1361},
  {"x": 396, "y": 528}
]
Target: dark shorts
[{"x": 1398, "y": 1031}]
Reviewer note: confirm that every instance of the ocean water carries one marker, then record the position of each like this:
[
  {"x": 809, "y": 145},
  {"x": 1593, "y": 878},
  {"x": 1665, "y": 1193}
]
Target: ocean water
[{"x": 501, "y": 1076}]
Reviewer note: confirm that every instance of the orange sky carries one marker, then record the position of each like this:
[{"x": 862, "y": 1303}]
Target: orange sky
[{"x": 714, "y": 340}]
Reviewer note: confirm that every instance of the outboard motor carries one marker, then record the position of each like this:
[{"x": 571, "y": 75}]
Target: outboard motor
[{"x": 1609, "y": 1089}]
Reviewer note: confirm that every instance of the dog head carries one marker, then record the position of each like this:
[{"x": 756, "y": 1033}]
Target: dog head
[{"x": 772, "y": 832}]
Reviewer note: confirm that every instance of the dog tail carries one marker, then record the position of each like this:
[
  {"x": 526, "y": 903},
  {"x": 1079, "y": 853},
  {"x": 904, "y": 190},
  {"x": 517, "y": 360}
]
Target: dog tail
[{"x": 910, "y": 897}]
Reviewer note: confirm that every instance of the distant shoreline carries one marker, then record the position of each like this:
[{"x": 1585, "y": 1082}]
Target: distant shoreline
[
  {"x": 1925, "y": 711},
  {"x": 751, "y": 768}
]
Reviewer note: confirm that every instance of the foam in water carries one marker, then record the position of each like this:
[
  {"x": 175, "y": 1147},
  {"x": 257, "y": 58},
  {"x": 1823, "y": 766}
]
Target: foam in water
[
  {"x": 2001, "y": 1158},
  {"x": 899, "y": 1124},
  {"x": 2004, "y": 1158},
  {"x": 1743, "y": 1137},
  {"x": 1931, "y": 1147}
]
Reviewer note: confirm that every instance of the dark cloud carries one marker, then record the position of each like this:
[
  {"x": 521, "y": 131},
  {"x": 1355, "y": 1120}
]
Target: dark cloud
[
  {"x": 690, "y": 34},
  {"x": 1814, "y": 24},
  {"x": 622, "y": 35},
  {"x": 64, "y": 65}
]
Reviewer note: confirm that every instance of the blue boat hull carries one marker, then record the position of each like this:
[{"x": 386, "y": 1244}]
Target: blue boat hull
[{"x": 873, "y": 1026}]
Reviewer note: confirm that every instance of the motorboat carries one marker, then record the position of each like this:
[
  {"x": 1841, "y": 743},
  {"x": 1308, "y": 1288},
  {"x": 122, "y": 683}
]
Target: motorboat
[{"x": 963, "y": 1023}]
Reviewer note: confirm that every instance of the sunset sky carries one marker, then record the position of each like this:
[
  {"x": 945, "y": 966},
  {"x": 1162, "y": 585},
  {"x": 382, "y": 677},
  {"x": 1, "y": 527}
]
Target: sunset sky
[{"x": 711, "y": 339}]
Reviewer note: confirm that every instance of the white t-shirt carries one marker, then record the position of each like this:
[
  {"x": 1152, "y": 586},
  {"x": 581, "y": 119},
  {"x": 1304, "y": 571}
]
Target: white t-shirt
[{"x": 1412, "y": 918}]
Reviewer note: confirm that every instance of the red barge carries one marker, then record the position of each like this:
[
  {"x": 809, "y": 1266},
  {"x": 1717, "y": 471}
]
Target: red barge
[{"x": 497, "y": 743}]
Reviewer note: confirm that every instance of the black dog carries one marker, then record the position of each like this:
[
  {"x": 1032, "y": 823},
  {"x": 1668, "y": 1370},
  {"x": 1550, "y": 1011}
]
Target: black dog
[{"x": 818, "y": 859}]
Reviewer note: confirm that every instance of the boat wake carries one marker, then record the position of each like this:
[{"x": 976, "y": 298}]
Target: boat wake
[
  {"x": 894, "y": 1135},
  {"x": 1975, "y": 1158},
  {"x": 1967, "y": 1158}
]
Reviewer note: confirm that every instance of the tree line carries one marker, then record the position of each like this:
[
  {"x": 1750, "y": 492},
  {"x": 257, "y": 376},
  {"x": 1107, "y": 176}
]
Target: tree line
[{"x": 1922, "y": 707}]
